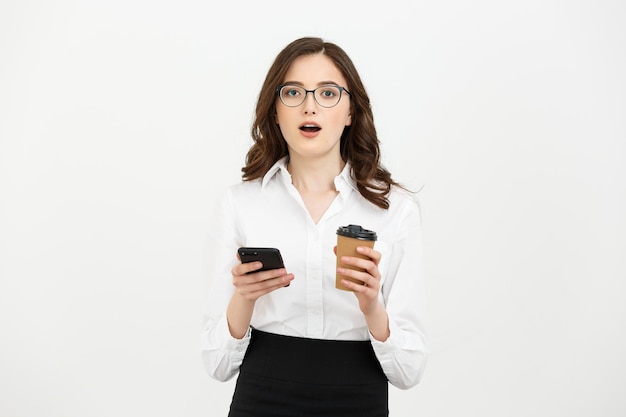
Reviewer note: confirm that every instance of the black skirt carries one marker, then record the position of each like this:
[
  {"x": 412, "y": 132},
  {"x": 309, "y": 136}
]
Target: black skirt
[{"x": 300, "y": 377}]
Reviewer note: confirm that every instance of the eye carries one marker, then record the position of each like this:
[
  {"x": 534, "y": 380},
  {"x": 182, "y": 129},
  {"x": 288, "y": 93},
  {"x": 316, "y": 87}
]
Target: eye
[
  {"x": 328, "y": 92},
  {"x": 292, "y": 91}
]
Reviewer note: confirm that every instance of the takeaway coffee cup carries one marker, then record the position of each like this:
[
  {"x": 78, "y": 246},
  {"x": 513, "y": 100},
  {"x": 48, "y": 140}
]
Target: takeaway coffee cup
[{"x": 348, "y": 238}]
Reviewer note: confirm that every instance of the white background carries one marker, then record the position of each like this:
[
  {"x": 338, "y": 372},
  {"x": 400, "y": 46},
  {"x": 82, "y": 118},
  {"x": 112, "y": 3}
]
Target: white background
[{"x": 121, "y": 120}]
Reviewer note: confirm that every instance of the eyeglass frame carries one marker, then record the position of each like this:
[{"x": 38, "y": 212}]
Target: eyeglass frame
[{"x": 306, "y": 92}]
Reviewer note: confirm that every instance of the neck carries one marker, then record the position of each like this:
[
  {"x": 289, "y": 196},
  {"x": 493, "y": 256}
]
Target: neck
[{"x": 314, "y": 175}]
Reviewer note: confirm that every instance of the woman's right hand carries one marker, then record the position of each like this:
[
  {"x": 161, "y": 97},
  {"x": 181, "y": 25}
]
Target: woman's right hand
[{"x": 251, "y": 285}]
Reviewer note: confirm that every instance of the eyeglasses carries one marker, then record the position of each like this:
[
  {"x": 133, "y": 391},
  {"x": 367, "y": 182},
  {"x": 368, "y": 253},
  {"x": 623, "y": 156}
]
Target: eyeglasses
[{"x": 325, "y": 95}]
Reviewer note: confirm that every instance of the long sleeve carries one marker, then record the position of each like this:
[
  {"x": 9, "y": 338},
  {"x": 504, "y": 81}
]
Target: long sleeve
[
  {"x": 403, "y": 355},
  {"x": 221, "y": 353}
]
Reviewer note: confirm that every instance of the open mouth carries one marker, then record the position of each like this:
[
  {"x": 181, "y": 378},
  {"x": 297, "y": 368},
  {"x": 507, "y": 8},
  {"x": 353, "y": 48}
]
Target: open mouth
[{"x": 310, "y": 128}]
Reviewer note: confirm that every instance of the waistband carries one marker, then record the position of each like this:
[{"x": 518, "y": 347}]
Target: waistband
[{"x": 311, "y": 361}]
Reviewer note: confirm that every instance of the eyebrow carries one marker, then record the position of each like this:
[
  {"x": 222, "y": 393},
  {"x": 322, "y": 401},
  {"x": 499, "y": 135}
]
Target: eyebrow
[{"x": 318, "y": 84}]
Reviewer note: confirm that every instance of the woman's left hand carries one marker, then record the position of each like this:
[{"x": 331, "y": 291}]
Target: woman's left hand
[{"x": 366, "y": 293}]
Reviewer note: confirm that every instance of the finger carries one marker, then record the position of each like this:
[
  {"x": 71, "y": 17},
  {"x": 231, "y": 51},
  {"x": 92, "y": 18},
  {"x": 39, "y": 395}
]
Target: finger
[
  {"x": 360, "y": 276},
  {"x": 242, "y": 269},
  {"x": 257, "y": 293},
  {"x": 269, "y": 285},
  {"x": 373, "y": 254},
  {"x": 253, "y": 278},
  {"x": 360, "y": 288},
  {"x": 360, "y": 263},
  {"x": 270, "y": 274}
]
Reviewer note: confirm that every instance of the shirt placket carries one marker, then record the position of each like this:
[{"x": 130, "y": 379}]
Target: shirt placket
[
  {"x": 314, "y": 267},
  {"x": 314, "y": 290}
]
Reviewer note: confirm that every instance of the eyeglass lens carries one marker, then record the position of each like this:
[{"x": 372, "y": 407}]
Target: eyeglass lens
[{"x": 326, "y": 96}]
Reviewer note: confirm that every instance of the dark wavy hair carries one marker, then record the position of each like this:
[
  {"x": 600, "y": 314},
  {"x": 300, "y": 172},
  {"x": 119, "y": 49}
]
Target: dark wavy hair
[{"x": 359, "y": 143}]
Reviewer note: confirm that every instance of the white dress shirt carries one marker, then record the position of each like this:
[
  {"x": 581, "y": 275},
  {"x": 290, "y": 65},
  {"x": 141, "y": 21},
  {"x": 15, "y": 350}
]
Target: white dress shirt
[{"x": 270, "y": 212}]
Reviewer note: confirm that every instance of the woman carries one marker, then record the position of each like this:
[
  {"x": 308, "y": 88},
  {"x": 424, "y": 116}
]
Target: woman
[{"x": 301, "y": 346}]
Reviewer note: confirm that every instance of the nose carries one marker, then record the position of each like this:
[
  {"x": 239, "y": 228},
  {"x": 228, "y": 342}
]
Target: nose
[{"x": 310, "y": 105}]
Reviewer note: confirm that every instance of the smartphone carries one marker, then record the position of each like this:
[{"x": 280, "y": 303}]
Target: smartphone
[{"x": 269, "y": 257}]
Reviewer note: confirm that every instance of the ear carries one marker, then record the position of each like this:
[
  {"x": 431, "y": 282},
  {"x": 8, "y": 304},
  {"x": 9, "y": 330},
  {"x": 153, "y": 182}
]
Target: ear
[{"x": 349, "y": 120}]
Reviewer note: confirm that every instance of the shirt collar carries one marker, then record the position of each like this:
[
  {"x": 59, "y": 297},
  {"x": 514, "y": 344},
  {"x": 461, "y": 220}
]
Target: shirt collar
[
  {"x": 279, "y": 166},
  {"x": 344, "y": 182}
]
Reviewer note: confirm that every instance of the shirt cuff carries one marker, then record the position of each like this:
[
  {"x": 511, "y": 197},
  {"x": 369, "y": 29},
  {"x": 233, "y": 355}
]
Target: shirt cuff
[
  {"x": 232, "y": 343},
  {"x": 392, "y": 344}
]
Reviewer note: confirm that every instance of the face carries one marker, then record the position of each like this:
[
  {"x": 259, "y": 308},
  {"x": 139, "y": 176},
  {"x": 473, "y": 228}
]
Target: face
[{"x": 313, "y": 131}]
